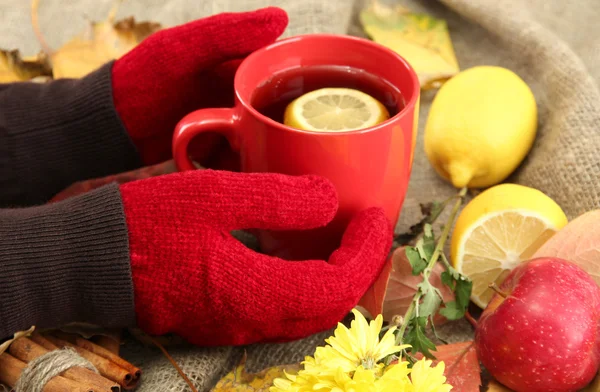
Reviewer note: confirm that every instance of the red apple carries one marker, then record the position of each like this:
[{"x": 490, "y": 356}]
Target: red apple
[{"x": 542, "y": 333}]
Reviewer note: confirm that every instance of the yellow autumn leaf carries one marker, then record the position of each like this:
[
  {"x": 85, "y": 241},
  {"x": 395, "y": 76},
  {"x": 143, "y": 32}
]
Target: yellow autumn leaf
[
  {"x": 101, "y": 43},
  {"x": 17, "y": 335},
  {"x": 14, "y": 68},
  {"x": 98, "y": 44},
  {"x": 421, "y": 39},
  {"x": 240, "y": 380}
]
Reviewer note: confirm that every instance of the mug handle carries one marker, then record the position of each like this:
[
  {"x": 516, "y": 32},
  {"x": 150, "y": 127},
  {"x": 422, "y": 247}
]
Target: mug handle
[{"x": 220, "y": 120}]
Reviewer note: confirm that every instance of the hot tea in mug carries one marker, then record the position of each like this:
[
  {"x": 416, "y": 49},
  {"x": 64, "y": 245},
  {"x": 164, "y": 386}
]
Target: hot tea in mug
[
  {"x": 369, "y": 166},
  {"x": 272, "y": 97}
]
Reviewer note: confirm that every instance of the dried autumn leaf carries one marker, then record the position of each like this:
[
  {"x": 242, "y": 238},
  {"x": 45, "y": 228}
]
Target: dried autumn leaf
[
  {"x": 402, "y": 286},
  {"x": 98, "y": 44},
  {"x": 85, "y": 186},
  {"x": 577, "y": 242},
  {"x": 373, "y": 299},
  {"x": 495, "y": 386},
  {"x": 240, "y": 380},
  {"x": 421, "y": 39},
  {"x": 4, "y": 346},
  {"x": 462, "y": 366},
  {"x": 167, "y": 340},
  {"x": 14, "y": 68},
  {"x": 89, "y": 331}
]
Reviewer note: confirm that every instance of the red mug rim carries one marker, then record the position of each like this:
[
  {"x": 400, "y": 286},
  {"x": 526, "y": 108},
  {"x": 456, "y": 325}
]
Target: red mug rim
[{"x": 242, "y": 69}]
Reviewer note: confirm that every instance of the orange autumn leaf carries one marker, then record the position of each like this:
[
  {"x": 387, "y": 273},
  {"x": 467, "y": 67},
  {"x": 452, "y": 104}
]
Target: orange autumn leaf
[
  {"x": 462, "y": 366},
  {"x": 402, "y": 286},
  {"x": 577, "y": 242},
  {"x": 240, "y": 380},
  {"x": 373, "y": 299}
]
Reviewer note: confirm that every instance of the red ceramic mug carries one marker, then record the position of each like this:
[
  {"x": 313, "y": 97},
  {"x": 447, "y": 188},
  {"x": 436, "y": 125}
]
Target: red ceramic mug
[{"x": 369, "y": 167}]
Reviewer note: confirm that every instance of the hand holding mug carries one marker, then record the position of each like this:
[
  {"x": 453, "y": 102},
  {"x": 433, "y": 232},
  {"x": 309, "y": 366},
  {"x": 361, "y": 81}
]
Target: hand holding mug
[
  {"x": 184, "y": 68},
  {"x": 369, "y": 167},
  {"x": 193, "y": 278}
]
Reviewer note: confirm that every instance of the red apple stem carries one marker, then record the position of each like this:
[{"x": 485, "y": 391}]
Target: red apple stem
[
  {"x": 439, "y": 247},
  {"x": 495, "y": 287}
]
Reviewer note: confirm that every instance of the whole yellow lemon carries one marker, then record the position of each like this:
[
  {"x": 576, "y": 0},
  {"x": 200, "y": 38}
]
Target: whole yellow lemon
[{"x": 481, "y": 125}]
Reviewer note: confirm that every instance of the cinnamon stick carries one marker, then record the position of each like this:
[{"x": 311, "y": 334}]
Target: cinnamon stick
[
  {"x": 11, "y": 369},
  {"x": 107, "y": 368},
  {"x": 42, "y": 341},
  {"x": 99, "y": 350},
  {"x": 112, "y": 345},
  {"x": 27, "y": 350}
]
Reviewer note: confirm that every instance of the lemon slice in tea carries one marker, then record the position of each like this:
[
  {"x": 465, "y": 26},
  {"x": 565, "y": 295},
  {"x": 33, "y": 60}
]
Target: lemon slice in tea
[{"x": 334, "y": 110}]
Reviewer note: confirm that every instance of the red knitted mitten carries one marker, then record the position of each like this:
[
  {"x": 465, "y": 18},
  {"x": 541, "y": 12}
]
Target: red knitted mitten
[
  {"x": 178, "y": 70},
  {"x": 193, "y": 278}
]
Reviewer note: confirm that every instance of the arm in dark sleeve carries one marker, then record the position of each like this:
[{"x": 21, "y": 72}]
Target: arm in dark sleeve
[
  {"x": 66, "y": 262},
  {"x": 54, "y": 134}
]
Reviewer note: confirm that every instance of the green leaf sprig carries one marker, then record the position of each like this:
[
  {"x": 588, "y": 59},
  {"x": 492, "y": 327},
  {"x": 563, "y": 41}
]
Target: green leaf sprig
[{"x": 428, "y": 300}]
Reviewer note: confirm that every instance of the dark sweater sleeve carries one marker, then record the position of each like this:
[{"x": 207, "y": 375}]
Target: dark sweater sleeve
[
  {"x": 66, "y": 262},
  {"x": 58, "y": 133}
]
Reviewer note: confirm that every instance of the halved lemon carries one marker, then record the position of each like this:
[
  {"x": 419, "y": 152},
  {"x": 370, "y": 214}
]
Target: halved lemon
[
  {"x": 334, "y": 110},
  {"x": 499, "y": 229}
]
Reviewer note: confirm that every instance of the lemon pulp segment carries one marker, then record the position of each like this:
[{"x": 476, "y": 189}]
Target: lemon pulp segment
[{"x": 498, "y": 230}]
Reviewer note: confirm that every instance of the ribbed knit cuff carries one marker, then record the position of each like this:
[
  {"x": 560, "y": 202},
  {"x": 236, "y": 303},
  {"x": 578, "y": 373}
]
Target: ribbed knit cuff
[
  {"x": 66, "y": 262},
  {"x": 59, "y": 133}
]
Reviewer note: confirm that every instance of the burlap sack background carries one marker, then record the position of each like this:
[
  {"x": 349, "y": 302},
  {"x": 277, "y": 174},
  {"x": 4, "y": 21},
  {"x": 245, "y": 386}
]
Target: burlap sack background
[{"x": 554, "y": 45}]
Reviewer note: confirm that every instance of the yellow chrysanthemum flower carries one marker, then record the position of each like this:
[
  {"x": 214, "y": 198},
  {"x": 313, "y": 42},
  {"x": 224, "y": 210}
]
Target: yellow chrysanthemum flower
[
  {"x": 363, "y": 380},
  {"x": 350, "y": 363},
  {"x": 425, "y": 378},
  {"x": 395, "y": 378},
  {"x": 285, "y": 384},
  {"x": 358, "y": 346}
]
